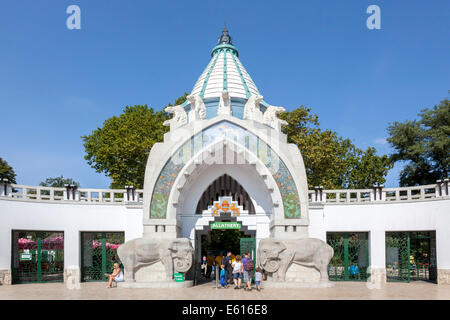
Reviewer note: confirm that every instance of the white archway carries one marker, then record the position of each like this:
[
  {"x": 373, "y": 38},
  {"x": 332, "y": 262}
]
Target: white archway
[{"x": 244, "y": 159}]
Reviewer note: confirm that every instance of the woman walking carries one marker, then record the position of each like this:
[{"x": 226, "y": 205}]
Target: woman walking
[{"x": 238, "y": 268}]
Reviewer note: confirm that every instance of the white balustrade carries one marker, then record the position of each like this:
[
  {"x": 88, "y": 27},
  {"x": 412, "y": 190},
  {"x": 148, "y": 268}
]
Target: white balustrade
[{"x": 131, "y": 195}]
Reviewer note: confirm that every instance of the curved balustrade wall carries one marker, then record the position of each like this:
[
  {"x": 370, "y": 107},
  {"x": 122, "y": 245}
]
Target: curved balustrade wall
[
  {"x": 376, "y": 211},
  {"x": 124, "y": 196}
]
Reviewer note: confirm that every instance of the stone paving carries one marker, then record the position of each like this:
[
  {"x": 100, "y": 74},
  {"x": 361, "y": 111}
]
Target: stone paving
[{"x": 207, "y": 291}]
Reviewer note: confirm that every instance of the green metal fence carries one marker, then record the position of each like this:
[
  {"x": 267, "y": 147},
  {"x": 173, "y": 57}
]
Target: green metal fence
[
  {"x": 37, "y": 256},
  {"x": 248, "y": 245},
  {"x": 351, "y": 256},
  {"x": 410, "y": 256},
  {"x": 99, "y": 253}
]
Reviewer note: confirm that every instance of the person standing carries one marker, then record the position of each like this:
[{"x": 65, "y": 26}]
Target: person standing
[
  {"x": 209, "y": 264},
  {"x": 226, "y": 261},
  {"x": 223, "y": 280},
  {"x": 238, "y": 267},
  {"x": 258, "y": 278},
  {"x": 248, "y": 270},
  {"x": 203, "y": 267}
]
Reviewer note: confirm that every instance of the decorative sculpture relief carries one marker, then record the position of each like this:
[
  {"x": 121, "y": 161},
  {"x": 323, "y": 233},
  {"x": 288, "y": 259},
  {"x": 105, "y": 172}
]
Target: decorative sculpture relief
[
  {"x": 251, "y": 108},
  {"x": 198, "y": 107},
  {"x": 270, "y": 117},
  {"x": 224, "y": 104},
  {"x": 175, "y": 255},
  {"x": 179, "y": 117},
  {"x": 276, "y": 255}
]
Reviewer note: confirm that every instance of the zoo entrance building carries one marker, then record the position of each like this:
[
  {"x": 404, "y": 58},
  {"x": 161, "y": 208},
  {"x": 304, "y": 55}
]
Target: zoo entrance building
[{"x": 225, "y": 170}]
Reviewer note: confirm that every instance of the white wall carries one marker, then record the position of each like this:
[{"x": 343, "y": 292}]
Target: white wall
[
  {"x": 375, "y": 218},
  {"x": 70, "y": 218}
]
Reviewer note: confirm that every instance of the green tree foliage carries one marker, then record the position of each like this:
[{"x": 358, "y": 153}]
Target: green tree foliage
[
  {"x": 423, "y": 145},
  {"x": 331, "y": 161},
  {"x": 7, "y": 172},
  {"x": 58, "y": 182},
  {"x": 121, "y": 147}
]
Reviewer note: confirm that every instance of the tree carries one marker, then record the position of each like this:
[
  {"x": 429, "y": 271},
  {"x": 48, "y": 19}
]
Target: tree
[
  {"x": 121, "y": 147},
  {"x": 7, "y": 172},
  {"x": 58, "y": 182},
  {"x": 331, "y": 161},
  {"x": 423, "y": 145}
]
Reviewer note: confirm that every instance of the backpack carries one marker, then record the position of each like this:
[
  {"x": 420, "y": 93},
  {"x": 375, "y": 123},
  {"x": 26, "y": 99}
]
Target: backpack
[{"x": 249, "y": 266}]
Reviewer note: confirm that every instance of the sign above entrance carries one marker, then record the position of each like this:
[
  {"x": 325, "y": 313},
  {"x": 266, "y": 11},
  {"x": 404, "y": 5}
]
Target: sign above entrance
[
  {"x": 225, "y": 205},
  {"x": 225, "y": 225}
]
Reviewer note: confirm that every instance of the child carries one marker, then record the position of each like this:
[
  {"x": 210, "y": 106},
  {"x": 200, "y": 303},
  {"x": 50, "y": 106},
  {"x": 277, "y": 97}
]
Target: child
[
  {"x": 223, "y": 280},
  {"x": 258, "y": 278}
]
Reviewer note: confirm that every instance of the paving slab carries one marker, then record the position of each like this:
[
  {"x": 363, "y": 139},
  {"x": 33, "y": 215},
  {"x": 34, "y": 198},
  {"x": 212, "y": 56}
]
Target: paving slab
[{"x": 207, "y": 291}]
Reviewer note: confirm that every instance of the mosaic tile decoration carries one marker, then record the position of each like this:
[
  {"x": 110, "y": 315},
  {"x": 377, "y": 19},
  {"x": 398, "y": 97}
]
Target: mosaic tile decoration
[{"x": 225, "y": 129}]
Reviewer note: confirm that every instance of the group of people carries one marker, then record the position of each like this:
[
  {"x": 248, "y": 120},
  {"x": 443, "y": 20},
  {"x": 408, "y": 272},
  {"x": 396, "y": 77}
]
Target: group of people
[{"x": 234, "y": 270}]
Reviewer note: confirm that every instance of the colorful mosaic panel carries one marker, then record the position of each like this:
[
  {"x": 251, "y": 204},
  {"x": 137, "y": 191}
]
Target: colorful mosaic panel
[{"x": 264, "y": 152}]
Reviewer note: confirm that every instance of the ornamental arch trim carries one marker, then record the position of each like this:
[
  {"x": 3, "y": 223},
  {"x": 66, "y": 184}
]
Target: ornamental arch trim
[
  {"x": 208, "y": 156},
  {"x": 187, "y": 141}
]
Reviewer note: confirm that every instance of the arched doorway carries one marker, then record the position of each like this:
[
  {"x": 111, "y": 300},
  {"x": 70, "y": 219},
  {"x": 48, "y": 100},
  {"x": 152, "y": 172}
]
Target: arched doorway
[
  {"x": 225, "y": 233},
  {"x": 225, "y": 185}
]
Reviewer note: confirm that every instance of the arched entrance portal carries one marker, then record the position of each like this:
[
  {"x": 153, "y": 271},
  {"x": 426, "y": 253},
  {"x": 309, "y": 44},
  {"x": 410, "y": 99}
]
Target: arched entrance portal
[
  {"x": 224, "y": 199},
  {"x": 225, "y": 185}
]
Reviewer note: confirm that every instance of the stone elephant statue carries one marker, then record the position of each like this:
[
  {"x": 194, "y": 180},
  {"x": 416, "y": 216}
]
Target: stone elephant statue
[
  {"x": 275, "y": 256},
  {"x": 175, "y": 255}
]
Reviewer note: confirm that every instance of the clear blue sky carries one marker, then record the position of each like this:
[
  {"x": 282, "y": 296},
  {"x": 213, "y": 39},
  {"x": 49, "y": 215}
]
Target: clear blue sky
[{"x": 58, "y": 84}]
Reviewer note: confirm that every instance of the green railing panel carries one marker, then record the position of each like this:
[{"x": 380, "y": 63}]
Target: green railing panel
[
  {"x": 408, "y": 256},
  {"x": 37, "y": 256},
  {"x": 99, "y": 253}
]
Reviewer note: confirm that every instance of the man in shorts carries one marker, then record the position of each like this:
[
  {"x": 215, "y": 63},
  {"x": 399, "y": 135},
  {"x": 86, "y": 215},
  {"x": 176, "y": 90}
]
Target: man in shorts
[{"x": 248, "y": 270}]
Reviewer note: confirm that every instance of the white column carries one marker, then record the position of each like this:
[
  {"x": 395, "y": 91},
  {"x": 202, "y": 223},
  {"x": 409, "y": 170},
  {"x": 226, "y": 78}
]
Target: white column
[
  {"x": 319, "y": 195},
  {"x": 5, "y": 188},
  {"x": 377, "y": 193},
  {"x": 5, "y": 254},
  {"x": 442, "y": 188},
  {"x": 377, "y": 258},
  {"x": 72, "y": 244}
]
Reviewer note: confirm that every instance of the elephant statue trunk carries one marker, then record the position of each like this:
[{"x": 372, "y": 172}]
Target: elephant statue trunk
[
  {"x": 183, "y": 264},
  {"x": 271, "y": 266}
]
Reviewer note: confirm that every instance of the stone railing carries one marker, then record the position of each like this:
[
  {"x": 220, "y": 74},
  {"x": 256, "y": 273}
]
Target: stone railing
[
  {"x": 132, "y": 195},
  {"x": 71, "y": 193},
  {"x": 380, "y": 194}
]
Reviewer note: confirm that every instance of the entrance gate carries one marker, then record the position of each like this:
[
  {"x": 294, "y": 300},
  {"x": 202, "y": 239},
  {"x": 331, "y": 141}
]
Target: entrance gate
[
  {"x": 411, "y": 256},
  {"x": 248, "y": 245},
  {"x": 351, "y": 256},
  {"x": 99, "y": 253},
  {"x": 227, "y": 228},
  {"x": 37, "y": 256}
]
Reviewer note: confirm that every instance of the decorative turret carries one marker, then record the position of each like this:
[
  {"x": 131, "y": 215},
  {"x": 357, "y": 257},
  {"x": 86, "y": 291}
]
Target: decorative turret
[
  {"x": 225, "y": 72},
  {"x": 225, "y": 38},
  {"x": 225, "y": 89}
]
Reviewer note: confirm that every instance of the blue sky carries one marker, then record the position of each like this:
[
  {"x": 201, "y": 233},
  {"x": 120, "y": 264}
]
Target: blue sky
[{"x": 58, "y": 84}]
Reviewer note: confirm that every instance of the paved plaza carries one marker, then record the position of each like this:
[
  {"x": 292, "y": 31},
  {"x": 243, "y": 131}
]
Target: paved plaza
[{"x": 207, "y": 291}]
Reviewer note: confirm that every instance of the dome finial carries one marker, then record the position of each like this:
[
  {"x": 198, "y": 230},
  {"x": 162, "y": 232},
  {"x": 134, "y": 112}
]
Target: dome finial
[{"x": 225, "y": 38}]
